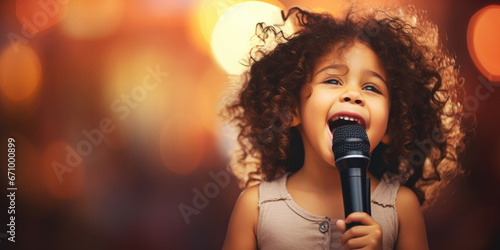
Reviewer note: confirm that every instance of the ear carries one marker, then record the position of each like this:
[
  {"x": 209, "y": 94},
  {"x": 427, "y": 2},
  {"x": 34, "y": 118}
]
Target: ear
[
  {"x": 386, "y": 139},
  {"x": 296, "y": 118}
]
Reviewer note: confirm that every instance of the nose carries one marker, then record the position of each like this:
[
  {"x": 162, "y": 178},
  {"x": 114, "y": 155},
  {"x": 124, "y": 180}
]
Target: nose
[{"x": 352, "y": 96}]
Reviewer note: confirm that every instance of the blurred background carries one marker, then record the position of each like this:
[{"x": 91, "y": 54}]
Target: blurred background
[{"x": 113, "y": 108}]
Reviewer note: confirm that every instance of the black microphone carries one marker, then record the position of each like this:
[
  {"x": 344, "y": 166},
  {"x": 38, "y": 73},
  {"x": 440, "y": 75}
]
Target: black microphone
[{"x": 351, "y": 149}]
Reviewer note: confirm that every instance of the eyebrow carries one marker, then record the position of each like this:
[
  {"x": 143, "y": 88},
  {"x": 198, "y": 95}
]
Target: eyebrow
[
  {"x": 334, "y": 66},
  {"x": 343, "y": 67},
  {"x": 375, "y": 74}
]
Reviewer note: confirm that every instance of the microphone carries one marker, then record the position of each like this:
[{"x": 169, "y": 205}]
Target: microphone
[{"x": 351, "y": 149}]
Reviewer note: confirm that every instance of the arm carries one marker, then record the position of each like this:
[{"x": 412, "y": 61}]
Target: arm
[
  {"x": 411, "y": 221},
  {"x": 241, "y": 233}
]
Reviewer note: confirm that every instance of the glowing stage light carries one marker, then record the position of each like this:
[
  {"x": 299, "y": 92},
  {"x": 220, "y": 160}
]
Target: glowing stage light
[
  {"x": 20, "y": 72},
  {"x": 210, "y": 11},
  {"x": 232, "y": 36},
  {"x": 204, "y": 16},
  {"x": 483, "y": 40}
]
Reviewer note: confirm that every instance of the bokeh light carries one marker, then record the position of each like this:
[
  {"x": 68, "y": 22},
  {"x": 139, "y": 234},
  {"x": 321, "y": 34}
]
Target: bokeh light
[
  {"x": 92, "y": 19},
  {"x": 63, "y": 63},
  {"x": 214, "y": 82},
  {"x": 184, "y": 135},
  {"x": 204, "y": 16},
  {"x": 63, "y": 170},
  {"x": 36, "y": 16},
  {"x": 20, "y": 72},
  {"x": 335, "y": 8},
  {"x": 138, "y": 90},
  {"x": 182, "y": 142},
  {"x": 233, "y": 35},
  {"x": 483, "y": 41},
  {"x": 198, "y": 37},
  {"x": 210, "y": 11},
  {"x": 162, "y": 8}
]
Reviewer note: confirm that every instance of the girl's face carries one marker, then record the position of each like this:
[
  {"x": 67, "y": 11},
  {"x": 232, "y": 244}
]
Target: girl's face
[{"x": 349, "y": 83}]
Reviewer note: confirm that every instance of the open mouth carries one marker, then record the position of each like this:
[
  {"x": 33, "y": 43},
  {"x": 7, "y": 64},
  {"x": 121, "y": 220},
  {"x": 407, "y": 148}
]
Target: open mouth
[{"x": 338, "y": 121}]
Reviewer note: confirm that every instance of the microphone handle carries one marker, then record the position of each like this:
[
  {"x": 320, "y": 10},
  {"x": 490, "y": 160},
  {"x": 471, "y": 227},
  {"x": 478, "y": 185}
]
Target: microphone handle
[
  {"x": 355, "y": 192},
  {"x": 368, "y": 197},
  {"x": 368, "y": 207}
]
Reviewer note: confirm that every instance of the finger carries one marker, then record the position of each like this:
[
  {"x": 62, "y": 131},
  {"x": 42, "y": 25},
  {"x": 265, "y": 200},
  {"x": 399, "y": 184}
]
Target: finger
[
  {"x": 361, "y": 217},
  {"x": 356, "y": 232},
  {"x": 357, "y": 243},
  {"x": 341, "y": 226}
]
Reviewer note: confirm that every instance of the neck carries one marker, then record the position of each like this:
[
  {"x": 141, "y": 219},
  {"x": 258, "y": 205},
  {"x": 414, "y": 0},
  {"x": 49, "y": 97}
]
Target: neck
[
  {"x": 321, "y": 177},
  {"x": 317, "y": 175}
]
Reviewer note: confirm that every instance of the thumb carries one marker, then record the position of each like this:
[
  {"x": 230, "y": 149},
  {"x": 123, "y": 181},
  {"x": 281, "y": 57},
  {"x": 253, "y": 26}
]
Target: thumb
[{"x": 341, "y": 226}]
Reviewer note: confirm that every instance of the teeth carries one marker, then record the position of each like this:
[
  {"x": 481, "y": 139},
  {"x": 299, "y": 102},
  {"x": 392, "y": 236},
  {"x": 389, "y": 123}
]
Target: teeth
[{"x": 349, "y": 119}]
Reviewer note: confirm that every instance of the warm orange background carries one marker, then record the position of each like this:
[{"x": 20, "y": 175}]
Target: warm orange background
[{"x": 66, "y": 79}]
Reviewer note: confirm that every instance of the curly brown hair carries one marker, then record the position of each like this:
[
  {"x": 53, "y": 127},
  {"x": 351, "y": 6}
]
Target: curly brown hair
[{"x": 423, "y": 80}]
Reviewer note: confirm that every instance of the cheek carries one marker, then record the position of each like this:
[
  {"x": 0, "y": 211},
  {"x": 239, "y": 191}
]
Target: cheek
[
  {"x": 313, "y": 107},
  {"x": 381, "y": 111},
  {"x": 313, "y": 111},
  {"x": 380, "y": 119}
]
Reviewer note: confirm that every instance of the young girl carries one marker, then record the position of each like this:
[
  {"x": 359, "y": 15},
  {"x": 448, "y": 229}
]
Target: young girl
[{"x": 382, "y": 69}]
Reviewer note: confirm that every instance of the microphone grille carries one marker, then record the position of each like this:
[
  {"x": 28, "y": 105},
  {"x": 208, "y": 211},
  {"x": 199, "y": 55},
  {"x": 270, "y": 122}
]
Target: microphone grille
[{"x": 350, "y": 140}]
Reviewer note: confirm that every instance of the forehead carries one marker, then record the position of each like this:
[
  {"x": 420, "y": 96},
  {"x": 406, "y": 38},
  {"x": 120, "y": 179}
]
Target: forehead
[{"x": 350, "y": 53}]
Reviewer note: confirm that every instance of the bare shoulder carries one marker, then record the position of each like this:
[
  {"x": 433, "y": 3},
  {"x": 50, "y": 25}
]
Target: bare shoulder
[
  {"x": 410, "y": 220},
  {"x": 250, "y": 195},
  {"x": 248, "y": 203},
  {"x": 241, "y": 233},
  {"x": 406, "y": 199}
]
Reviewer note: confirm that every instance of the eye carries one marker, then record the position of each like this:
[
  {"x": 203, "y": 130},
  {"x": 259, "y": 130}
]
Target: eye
[
  {"x": 332, "y": 81},
  {"x": 372, "y": 88}
]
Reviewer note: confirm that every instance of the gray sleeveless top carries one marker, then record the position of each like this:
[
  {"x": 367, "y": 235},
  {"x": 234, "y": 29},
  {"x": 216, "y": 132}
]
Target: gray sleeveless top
[{"x": 283, "y": 224}]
